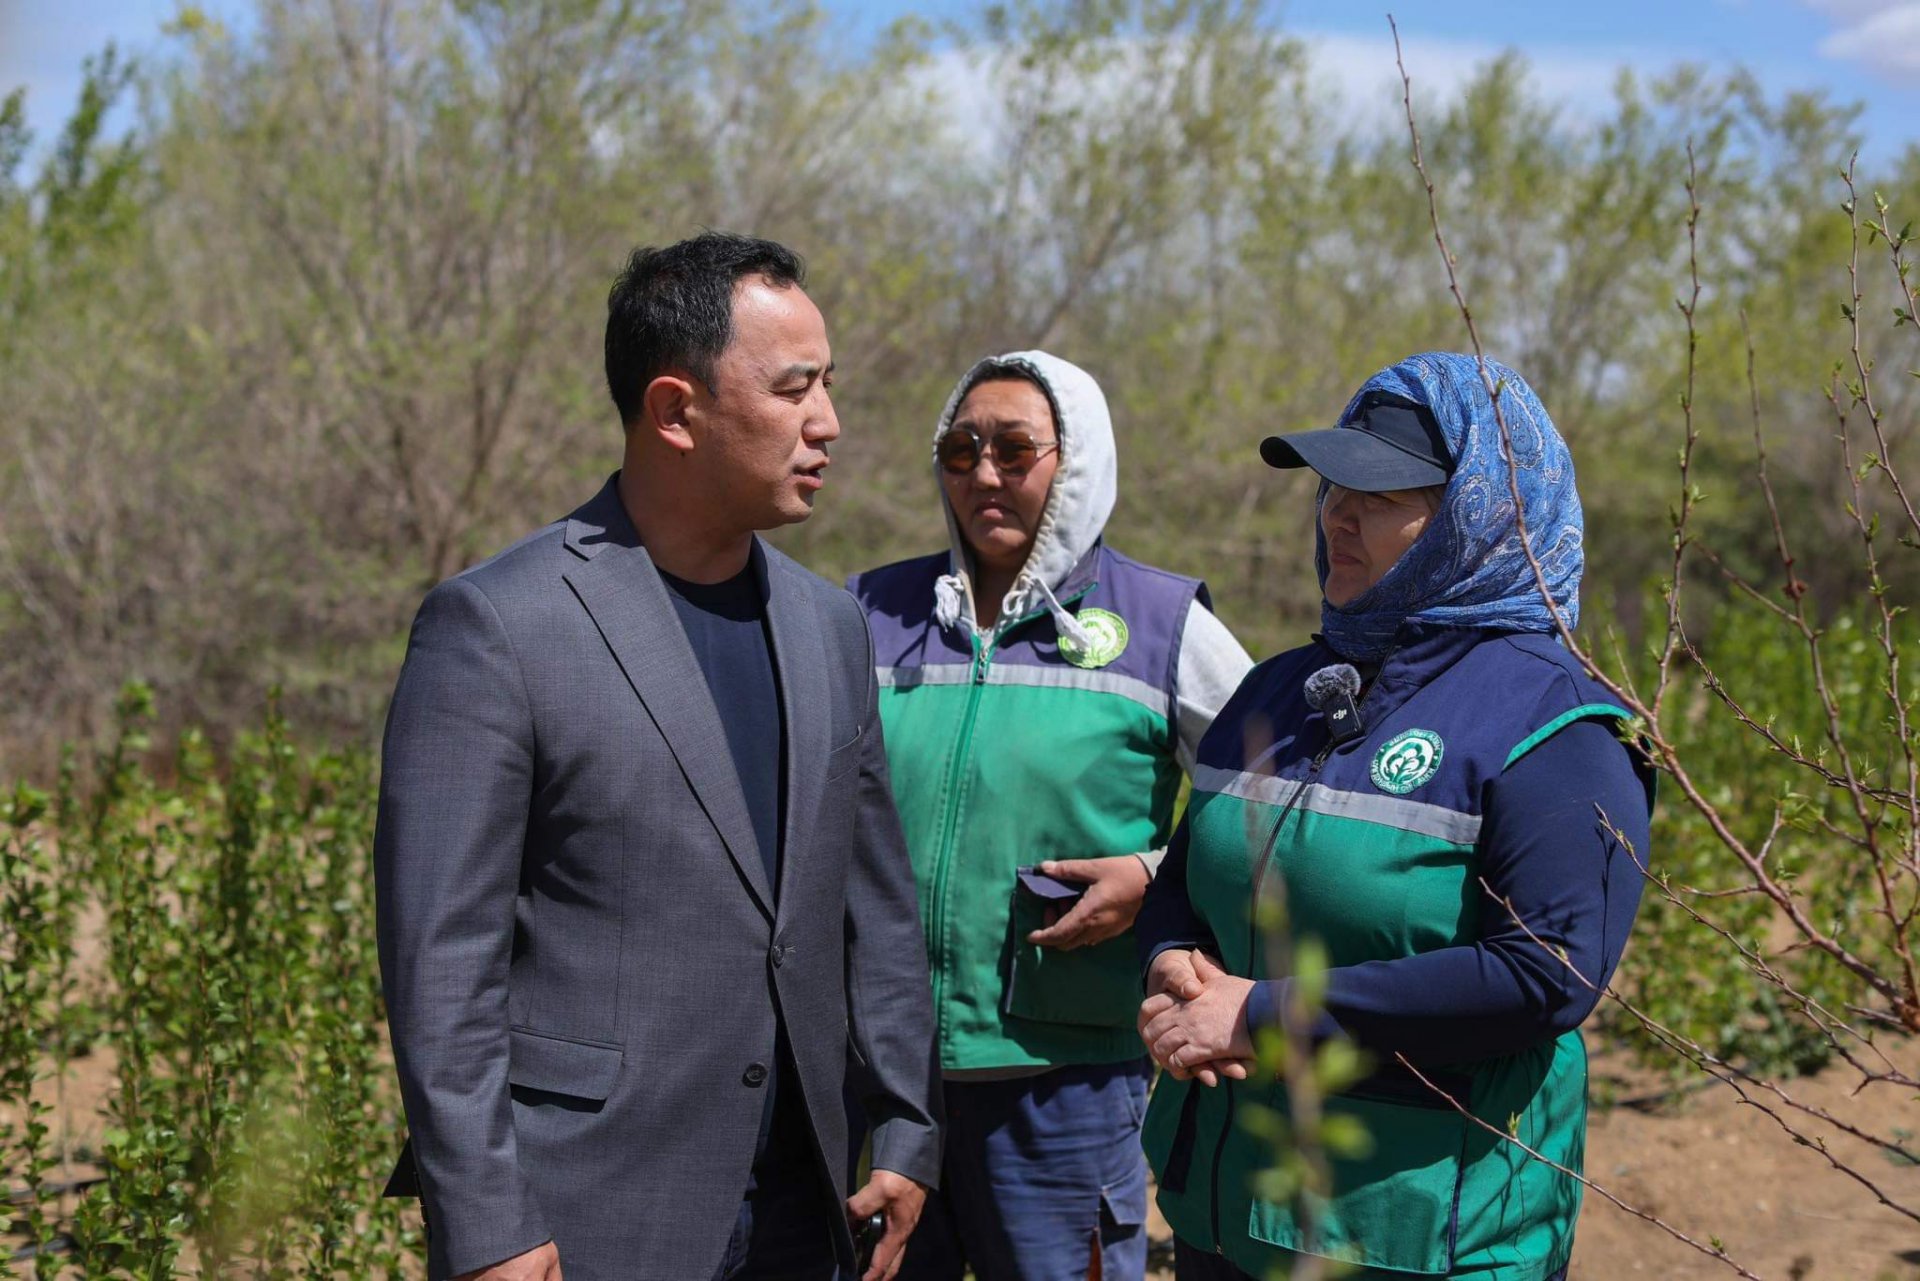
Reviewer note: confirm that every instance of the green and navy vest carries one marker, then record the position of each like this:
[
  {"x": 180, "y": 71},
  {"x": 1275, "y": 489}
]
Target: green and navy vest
[
  {"x": 1376, "y": 849},
  {"x": 1009, "y": 752}
]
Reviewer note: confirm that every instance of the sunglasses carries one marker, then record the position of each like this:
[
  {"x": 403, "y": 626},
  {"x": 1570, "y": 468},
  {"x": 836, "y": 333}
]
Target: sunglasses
[{"x": 1014, "y": 452}]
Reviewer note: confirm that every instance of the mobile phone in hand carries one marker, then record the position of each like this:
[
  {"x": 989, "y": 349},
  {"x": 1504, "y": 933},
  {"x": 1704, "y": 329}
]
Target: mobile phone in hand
[
  {"x": 866, "y": 1239},
  {"x": 1050, "y": 890}
]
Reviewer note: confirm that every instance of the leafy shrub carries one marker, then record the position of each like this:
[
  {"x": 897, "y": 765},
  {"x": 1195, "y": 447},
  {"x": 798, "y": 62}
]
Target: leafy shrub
[
  {"x": 1674, "y": 972},
  {"x": 255, "y": 1113}
]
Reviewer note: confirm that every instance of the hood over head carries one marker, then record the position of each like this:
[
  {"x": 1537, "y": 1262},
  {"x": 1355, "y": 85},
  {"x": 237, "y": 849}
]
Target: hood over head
[{"x": 1084, "y": 486}]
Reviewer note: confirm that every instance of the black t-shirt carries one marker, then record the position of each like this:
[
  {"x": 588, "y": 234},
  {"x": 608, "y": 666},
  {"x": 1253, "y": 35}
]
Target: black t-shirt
[{"x": 726, "y": 623}]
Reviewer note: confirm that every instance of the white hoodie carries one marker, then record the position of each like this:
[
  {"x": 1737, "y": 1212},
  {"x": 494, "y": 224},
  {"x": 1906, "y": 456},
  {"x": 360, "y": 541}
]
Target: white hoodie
[{"x": 1085, "y": 484}]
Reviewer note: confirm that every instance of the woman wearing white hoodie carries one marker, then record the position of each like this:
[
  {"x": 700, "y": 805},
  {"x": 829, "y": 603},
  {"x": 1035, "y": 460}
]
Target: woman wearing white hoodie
[{"x": 1042, "y": 696}]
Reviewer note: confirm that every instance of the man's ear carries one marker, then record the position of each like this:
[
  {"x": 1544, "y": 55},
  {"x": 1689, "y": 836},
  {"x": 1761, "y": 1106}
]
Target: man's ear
[{"x": 666, "y": 411}]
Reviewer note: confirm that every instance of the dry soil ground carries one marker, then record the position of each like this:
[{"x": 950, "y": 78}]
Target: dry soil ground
[{"x": 1707, "y": 1164}]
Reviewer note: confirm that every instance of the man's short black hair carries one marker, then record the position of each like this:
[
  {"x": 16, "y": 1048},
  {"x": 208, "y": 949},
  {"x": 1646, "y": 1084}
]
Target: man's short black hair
[{"x": 672, "y": 308}]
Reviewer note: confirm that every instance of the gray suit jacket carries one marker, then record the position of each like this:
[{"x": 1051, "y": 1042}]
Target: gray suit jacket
[{"x": 580, "y": 951}]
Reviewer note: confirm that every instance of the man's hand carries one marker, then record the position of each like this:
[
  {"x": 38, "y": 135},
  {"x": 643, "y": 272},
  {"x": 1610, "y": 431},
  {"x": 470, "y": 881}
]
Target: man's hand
[
  {"x": 900, "y": 1199},
  {"x": 541, "y": 1263},
  {"x": 1115, "y": 887},
  {"x": 1194, "y": 1021}
]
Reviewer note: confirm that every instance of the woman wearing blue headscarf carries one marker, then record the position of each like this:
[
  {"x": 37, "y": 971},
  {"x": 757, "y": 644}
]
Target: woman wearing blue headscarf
[{"x": 1435, "y": 790}]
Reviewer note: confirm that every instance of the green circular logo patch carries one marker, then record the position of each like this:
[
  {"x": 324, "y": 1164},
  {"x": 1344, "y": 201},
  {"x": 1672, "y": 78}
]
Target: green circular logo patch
[
  {"x": 1106, "y": 639},
  {"x": 1407, "y": 760}
]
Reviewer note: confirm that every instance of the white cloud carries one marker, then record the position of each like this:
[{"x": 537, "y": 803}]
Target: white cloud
[
  {"x": 1852, "y": 10},
  {"x": 961, "y": 80},
  {"x": 1361, "y": 70},
  {"x": 1358, "y": 71},
  {"x": 1882, "y": 36}
]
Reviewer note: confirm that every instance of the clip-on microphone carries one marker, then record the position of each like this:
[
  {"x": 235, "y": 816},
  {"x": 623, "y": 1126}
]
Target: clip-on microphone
[{"x": 1331, "y": 691}]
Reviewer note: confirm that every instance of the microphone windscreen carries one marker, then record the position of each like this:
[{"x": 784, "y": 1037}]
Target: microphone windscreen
[{"x": 1330, "y": 683}]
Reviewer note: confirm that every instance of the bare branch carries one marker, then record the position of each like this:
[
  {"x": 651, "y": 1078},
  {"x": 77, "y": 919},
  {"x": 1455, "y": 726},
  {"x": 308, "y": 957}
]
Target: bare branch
[
  {"x": 1863, "y": 368},
  {"x": 1689, "y": 307},
  {"x": 1903, "y": 996},
  {"x": 1715, "y": 1252}
]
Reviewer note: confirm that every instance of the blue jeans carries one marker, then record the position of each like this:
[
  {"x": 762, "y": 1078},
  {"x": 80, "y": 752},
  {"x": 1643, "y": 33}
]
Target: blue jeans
[
  {"x": 1041, "y": 1175},
  {"x": 1192, "y": 1264}
]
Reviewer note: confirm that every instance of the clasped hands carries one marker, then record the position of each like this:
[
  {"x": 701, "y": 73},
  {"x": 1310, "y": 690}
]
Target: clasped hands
[{"x": 1194, "y": 1020}]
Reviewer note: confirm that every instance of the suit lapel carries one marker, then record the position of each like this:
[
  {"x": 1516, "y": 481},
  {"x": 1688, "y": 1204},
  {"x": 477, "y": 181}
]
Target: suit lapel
[
  {"x": 799, "y": 663},
  {"x": 621, "y": 589}
]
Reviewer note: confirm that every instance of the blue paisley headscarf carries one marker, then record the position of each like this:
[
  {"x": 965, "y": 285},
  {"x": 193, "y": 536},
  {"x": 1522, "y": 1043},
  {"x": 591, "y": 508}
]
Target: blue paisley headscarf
[{"x": 1467, "y": 569}]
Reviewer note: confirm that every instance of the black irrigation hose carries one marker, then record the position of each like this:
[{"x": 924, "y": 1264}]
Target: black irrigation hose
[
  {"x": 20, "y": 1196},
  {"x": 62, "y": 1244}
]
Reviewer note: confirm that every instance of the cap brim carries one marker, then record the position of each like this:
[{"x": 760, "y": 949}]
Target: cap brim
[{"x": 1352, "y": 459}]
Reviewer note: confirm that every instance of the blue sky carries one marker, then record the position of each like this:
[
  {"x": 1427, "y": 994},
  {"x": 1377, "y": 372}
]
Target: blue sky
[{"x": 1856, "y": 50}]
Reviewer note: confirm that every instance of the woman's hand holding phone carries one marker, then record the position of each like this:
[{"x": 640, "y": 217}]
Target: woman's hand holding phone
[{"x": 1111, "y": 892}]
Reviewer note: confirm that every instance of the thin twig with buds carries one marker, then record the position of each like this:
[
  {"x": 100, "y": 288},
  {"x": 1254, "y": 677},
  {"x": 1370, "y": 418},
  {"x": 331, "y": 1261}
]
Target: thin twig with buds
[
  {"x": 1875, "y": 808},
  {"x": 1715, "y": 1251},
  {"x": 1902, "y": 996}
]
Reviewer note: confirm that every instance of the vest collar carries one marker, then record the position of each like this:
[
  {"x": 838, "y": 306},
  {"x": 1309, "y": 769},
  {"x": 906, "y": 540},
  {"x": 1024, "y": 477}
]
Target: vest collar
[{"x": 1421, "y": 653}]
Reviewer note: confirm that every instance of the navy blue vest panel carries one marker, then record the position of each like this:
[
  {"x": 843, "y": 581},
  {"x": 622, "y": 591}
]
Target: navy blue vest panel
[{"x": 899, "y": 602}]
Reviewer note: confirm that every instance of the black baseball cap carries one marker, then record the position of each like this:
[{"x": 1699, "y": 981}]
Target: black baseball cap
[{"x": 1389, "y": 443}]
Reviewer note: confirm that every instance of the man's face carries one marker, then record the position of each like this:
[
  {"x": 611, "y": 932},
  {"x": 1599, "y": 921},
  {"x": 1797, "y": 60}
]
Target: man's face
[{"x": 762, "y": 433}]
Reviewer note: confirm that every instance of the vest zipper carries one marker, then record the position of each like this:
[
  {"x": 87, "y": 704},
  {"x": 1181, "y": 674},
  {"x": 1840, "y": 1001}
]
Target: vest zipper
[
  {"x": 1253, "y": 943},
  {"x": 982, "y": 658},
  {"x": 1219, "y": 1149}
]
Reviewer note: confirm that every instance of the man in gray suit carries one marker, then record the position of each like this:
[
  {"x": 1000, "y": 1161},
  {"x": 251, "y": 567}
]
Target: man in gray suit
[{"x": 642, "y": 891}]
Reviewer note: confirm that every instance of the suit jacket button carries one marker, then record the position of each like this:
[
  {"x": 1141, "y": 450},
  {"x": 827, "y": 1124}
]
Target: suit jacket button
[
  {"x": 779, "y": 955},
  {"x": 755, "y": 1075}
]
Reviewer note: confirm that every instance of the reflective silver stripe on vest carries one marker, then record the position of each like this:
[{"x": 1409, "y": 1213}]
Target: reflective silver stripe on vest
[
  {"x": 1390, "y": 811},
  {"x": 1100, "y": 682}
]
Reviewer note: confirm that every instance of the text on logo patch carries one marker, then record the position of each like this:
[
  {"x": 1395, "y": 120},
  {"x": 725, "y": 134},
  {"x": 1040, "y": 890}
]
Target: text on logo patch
[{"x": 1407, "y": 760}]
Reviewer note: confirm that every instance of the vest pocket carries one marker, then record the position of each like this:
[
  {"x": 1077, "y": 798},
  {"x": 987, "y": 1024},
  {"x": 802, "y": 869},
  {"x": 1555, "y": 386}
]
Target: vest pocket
[
  {"x": 1096, "y": 986},
  {"x": 1395, "y": 1208}
]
